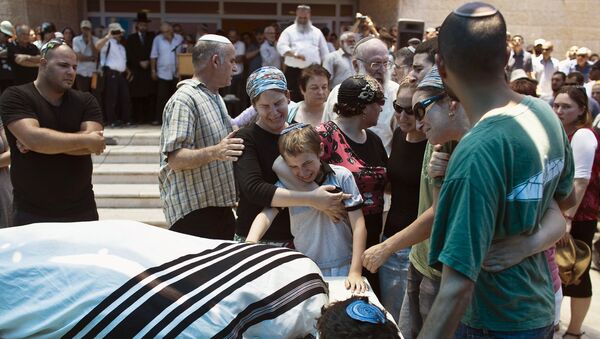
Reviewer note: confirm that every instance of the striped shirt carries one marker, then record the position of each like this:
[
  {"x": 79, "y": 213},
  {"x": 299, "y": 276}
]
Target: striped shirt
[
  {"x": 88, "y": 279},
  {"x": 194, "y": 118}
]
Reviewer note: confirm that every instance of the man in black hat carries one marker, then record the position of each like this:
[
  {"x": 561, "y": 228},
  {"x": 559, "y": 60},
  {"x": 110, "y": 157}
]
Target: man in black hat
[{"x": 142, "y": 87}]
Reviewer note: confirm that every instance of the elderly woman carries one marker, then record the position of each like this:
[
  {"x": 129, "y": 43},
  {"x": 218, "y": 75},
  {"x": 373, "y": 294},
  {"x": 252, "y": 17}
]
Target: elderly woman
[
  {"x": 267, "y": 89},
  {"x": 314, "y": 86},
  {"x": 571, "y": 106},
  {"x": 349, "y": 143}
]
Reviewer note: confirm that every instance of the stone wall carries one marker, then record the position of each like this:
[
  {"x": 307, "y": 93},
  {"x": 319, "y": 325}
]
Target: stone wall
[
  {"x": 564, "y": 22},
  {"x": 33, "y": 12}
]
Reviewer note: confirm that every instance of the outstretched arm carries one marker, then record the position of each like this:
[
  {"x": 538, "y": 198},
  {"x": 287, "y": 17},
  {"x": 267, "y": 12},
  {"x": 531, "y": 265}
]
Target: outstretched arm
[
  {"x": 355, "y": 282},
  {"x": 261, "y": 224}
]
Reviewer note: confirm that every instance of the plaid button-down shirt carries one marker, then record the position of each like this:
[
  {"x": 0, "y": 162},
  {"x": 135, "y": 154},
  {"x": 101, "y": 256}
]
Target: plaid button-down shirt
[{"x": 194, "y": 118}]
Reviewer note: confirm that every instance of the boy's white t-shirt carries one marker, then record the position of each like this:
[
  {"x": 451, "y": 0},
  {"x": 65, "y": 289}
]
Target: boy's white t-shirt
[{"x": 327, "y": 243}]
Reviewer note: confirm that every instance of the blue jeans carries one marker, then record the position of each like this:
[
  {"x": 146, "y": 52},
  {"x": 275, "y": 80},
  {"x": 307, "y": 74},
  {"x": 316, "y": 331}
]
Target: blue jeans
[
  {"x": 467, "y": 332},
  {"x": 392, "y": 280}
]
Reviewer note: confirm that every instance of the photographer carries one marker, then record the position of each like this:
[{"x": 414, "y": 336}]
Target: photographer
[
  {"x": 364, "y": 27},
  {"x": 113, "y": 61}
]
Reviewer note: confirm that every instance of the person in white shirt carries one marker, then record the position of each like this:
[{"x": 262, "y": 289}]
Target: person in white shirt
[
  {"x": 268, "y": 51},
  {"x": 543, "y": 69},
  {"x": 339, "y": 63},
  {"x": 113, "y": 60},
  {"x": 238, "y": 85},
  {"x": 301, "y": 44},
  {"x": 163, "y": 65},
  {"x": 83, "y": 46}
]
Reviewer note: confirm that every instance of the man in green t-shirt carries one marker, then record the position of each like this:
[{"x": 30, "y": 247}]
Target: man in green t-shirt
[{"x": 500, "y": 180}]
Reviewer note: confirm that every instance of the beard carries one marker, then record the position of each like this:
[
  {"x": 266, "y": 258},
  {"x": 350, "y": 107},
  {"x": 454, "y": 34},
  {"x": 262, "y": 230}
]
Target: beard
[
  {"x": 382, "y": 76},
  {"x": 303, "y": 28},
  {"x": 347, "y": 49}
]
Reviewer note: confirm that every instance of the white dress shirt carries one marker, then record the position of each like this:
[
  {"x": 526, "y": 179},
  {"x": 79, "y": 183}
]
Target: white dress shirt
[
  {"x": 165, "y": 53},
  {"x": 311, "y": 45},
  {"x": 117, "y": 57},
  {"x": 269, "y": 55},
  {"x": 84, "y": 68}
]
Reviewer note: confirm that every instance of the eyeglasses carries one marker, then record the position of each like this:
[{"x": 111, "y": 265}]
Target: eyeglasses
[
  {"x": 52, "y": 44},
  {"x": 419, "y": 107},
  {"x": 399, "y": 109},
  {"x": 378, "y": 65}
]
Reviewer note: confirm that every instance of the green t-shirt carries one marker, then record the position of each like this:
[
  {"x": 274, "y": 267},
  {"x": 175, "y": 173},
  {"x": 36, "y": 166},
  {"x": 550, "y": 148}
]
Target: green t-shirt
[
  {"x": 500, "y": 180},
  {"x": 419, "y": 253}
]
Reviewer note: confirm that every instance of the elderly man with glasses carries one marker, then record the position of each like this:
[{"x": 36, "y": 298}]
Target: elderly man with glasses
[
  {"x": 543, "y": 70},
  {"x": 581, "y": 63},
  {"x": 52, "y": 130}
]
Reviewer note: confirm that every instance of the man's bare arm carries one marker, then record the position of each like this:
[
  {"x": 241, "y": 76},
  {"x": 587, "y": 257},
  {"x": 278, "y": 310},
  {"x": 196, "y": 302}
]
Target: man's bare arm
[
  {"x": 26, "y": 60},
  {"x": 87, "y": 127},
  {"x": 47, "y": 141},
  {"x": 450, "y": 304}
]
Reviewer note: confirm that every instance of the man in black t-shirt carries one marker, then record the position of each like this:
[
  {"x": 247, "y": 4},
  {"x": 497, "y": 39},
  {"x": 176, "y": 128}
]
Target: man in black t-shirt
[
  {"x": 23, "y": 57},
  {"x": 51, "y": 131}
]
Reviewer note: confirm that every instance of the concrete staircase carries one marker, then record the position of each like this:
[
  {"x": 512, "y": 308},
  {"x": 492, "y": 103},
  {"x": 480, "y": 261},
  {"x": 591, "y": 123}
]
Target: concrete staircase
[{"x": 126, "y": 176}]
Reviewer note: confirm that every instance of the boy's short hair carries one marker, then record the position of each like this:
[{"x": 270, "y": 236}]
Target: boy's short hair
[
  {"x": 335, "y": 323},
  {"x": 299, "y": 140},
  {"x": 474, "y": 46}
]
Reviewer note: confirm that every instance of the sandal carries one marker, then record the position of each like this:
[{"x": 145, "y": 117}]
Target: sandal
[{"x": 575, "y": 335}]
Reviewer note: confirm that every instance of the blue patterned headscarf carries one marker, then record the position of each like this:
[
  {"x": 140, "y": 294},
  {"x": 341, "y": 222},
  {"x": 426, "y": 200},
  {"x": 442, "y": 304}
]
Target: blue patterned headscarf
[
  {"x": 432, "y": 79},
  {"x": 263, "y": 79}
]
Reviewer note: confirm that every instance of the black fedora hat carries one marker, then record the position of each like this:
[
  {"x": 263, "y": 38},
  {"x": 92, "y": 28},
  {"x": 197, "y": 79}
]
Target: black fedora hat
[{"x": 142, "y": 17}]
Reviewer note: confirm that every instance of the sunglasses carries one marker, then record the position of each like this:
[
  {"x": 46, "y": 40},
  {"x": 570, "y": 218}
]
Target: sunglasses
[
  {"x": 52, "y": 44},
  {"x": 399, "y": 109},
  {"x": 419, "y": 109}
]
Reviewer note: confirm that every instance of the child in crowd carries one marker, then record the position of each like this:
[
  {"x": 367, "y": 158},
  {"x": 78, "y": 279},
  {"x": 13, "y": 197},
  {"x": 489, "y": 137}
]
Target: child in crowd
[
  {"x": 355, "y": 318},
  {"x": 336, "y": 247}
]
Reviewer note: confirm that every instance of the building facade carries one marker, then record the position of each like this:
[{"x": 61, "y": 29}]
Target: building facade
[{"x": 565, "y": 22}]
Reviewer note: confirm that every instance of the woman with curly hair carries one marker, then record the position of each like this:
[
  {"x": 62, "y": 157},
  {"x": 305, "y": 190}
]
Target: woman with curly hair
[{"x": 349, "y": 143}]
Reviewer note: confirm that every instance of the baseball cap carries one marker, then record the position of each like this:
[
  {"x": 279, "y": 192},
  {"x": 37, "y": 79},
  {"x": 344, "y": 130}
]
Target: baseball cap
[
  {"x": 6, "y": 27},
  {"x": 539, "y": 42},
  {"x": 85, "y": 24}
]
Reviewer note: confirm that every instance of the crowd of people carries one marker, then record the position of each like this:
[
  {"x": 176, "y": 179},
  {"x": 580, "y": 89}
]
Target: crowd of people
[{"x": 447, "y": 172}]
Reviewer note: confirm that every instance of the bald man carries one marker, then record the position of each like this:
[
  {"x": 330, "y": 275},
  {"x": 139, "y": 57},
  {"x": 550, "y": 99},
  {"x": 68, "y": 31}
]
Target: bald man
[{"x": 52, "y": 130}]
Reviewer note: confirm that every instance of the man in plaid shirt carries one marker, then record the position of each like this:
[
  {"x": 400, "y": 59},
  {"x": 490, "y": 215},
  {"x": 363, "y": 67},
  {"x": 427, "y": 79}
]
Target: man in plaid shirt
[{"x": 197, "y": 187}]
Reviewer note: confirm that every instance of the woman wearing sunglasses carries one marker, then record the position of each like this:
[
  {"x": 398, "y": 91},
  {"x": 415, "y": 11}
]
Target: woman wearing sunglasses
[
  {"x": 444, "y": 122},
  {"x": 404, "y": 174}
]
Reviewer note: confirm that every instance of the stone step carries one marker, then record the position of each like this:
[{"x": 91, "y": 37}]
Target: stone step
[
  {"x": 133, "y": 154},
  {"x": 125, "y": 174},
  {"x": 151, "y": 216},
  {"x": 139, "y": 135},
  {"x": 127, "y": 196}
]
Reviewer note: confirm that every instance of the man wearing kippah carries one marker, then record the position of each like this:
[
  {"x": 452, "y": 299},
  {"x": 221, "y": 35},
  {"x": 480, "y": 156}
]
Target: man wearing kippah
[
  {"x": 301, "y": 44},
  {"x": 197, "y": 146},
  {"x": 502, "y": 177}
]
